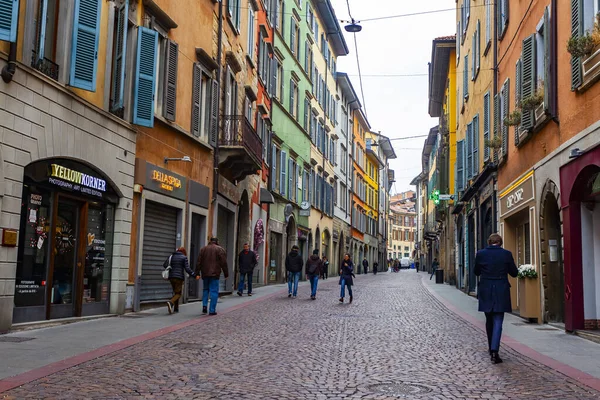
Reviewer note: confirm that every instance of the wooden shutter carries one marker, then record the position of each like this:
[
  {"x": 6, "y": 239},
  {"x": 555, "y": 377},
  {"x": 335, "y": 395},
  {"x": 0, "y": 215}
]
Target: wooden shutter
[
  {"x": 496, "y": 122},
  {"x": 290, "y": 173},
  {"x": 458, "y": 27},
  {"x": 518, "y": 87},
  {"x": 118, "y": 79},
  {"x": 273, "y": 77},
  {"x": 460, "y": 168},
  {"x": 576, "y": 31},
  {"x": 145, "y": 77},
  {"x": 528, "y": 79},
  {"x": 475, "y": 145},
  {"x": 469, "y": 151},
  {"x": 282, "y": 174},
  {"x": 9, "y": 16},
  {"x": 170, "y": 82},
  {"x": 293, "y": 36},
  {"x": 84, "y": 51},
  {"x": 505, "y": 103},
  {"x": 196, "y": 101},
  {"x": 214, "y": 113},
  {"x": 273, "y": 167},
  {"x": 547, "y": 53},
  {"x": 486, "y": 126}
]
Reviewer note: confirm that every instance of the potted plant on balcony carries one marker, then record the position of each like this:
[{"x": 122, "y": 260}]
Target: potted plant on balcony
[
  {"x": 494, "y": 143},
  {"x": 584, "y": 45},
  {"x": 529, "y": 298},
  {"x": 513, "y": 119},
  {"x": 531, "y": 102}
]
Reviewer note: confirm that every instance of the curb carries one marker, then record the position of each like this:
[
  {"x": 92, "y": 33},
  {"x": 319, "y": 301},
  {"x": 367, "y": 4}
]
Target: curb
[{"x": 573, "y": 373}]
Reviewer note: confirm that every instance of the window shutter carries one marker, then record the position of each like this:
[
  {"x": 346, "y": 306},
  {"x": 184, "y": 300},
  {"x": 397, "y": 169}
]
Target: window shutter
[
  {"x": 274, "y": 72},
  {"x": 488, "y": 21},
  {"x": 460, "y": 153},
  {"x": 496, "y": 121},
  {"x": 84, "y": 52},
  {"x": 230, "y": 7},
  {"x": 273, "y": 167},
  {"x": 499, "y": 24},
  {"x": 475, "y": 145},
  {"x": 214, "y": 113},
  {"x": 9, "y": 16},
  {"x": 311, "y": 188},
  {"x": 547, "y": 78},
  {"x": 196, "y": 90},
  {"x": 145, "y": 76},
  {"x": 41, "y": 40},
  {"x": 238, "y": 14},
  {"x": 466, "y": 78},
  {"x": 576, "y": 31},
  {"x": 282, "y": 86},
  {"x": 478, "y": 46},
  {"x": 306, "y": 114},
  {"x": 528, "y": 79},
  {"x": 119, "y": 57},
  {"x": 505, "y": 103},
  {"x": 518, "y": 87},
  {"x": 469, "y": 151},
  {"x": 291, "y": 98},
  {"x": 293, "y": 36},
  {"x": 282, "y": 180},
  {"x": 458, "y": 42},
  {"x": 474, "y": 53},
  {"x": 170, "y": 90},
  {"x": 290, "y": 179},
  {"x": 282, "y": 19},
  {"x": 486, "y": 126}
]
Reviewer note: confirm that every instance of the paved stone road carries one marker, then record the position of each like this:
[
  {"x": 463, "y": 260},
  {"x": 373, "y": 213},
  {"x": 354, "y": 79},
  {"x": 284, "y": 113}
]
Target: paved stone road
[{"x": 395, "y": 341}]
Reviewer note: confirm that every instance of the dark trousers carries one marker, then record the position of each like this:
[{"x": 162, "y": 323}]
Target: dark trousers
[
  {"x": 493, "y": 327},
  {"x": 324, "y": 273},
  {"x": 177, "y": 285}
]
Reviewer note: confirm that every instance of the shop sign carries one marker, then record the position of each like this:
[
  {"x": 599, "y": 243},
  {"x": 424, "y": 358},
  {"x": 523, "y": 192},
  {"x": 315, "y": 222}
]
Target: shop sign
[
  {"x": 75, "y": 180},
  {"x": 161, "y": 180},
  {"x": 166, "y": 181},
  {"x": 487, "y": 191},
  {"x": 517, "y": 197}
]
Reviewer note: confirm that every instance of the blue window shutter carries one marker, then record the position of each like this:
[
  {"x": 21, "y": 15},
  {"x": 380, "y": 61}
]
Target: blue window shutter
[
  {"x": 273, "y": 167},
  {"x": 41, "y": 41},
  {"x": 144, "y": 77},
  {"x": 469, "y": 150},
  {"x": 290, "y": 179},
  {"x": 486, "y": 126},
  {"x": 282, "y": 181},
  {"x": 84, "y": 52},
  {"x": 9, "y": 16},
  {"x": 476, "y": 145},
  {"x": 460, "y": 154},
  {"x": 119, "y": 57}
]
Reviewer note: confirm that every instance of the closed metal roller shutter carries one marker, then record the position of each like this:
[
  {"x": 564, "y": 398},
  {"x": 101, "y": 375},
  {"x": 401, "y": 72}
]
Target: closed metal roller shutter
[{"x": 160, "y": 233}]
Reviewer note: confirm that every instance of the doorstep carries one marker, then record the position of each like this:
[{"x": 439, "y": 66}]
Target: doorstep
[
  {"x": 27, "y": 326},
  {"x": 593, "y": 336}
]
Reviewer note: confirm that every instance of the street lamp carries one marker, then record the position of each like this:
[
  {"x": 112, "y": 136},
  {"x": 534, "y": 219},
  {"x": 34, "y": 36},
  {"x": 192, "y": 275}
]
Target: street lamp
[
  {"x": 184, "y": 159},
  {"x": 353, "y": 27}
]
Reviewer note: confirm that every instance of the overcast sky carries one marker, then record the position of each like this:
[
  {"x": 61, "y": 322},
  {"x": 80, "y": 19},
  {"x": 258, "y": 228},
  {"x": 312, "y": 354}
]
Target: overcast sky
[{"x": 396, "y": 106}]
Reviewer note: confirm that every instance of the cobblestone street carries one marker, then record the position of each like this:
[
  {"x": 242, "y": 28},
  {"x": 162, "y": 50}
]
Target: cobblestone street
[{"x": 395, "y": 341}]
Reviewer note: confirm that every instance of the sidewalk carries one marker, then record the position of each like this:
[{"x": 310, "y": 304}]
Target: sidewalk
[
  {"x": 566, "y": 353},
  {"x": 27, "y": 350}
]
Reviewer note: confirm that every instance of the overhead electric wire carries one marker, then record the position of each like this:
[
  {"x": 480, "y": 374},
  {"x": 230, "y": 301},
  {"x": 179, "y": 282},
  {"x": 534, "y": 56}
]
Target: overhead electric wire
[{"x": 360, "y": 80}]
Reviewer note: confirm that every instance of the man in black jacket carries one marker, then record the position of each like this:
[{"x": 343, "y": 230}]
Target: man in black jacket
[
  {"x": 246, "y": 262},
  {"x": 365, "y": 265},
  {"x": 314, "y": 265},
  {"x": 293, "y": 267}
]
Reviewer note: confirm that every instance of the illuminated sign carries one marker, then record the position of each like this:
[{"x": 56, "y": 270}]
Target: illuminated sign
[
  {"x": 78, "y": 178},
  {"x": 167, "y": 182}
]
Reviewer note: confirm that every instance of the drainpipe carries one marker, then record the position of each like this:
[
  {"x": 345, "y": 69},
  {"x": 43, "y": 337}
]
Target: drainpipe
[
  {"x": 554, "y": 70},
  {"x": 219, "y": 116}
]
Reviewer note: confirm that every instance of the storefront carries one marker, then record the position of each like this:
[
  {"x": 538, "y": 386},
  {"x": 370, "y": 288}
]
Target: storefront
[
  {"x": 162, "y": 210},
  {"x": 64, "y": 259},
  {"x": 519, "y": 231}
]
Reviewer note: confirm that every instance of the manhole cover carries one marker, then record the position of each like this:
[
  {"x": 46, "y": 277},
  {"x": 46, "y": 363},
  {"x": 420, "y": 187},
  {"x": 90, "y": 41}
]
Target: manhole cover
[
  {"x": 193, "y": 346},
  {"x": 399, "y": 389},
  {"x": 15, "y": 339}
]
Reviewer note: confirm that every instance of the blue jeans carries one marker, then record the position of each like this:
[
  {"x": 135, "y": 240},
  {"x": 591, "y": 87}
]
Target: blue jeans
[
  {"x": 210, "y": 288},
  {"x": 314, "y": 280},
  {"x": 243, "y": 277},
  {"x": 343, "y": 285},
  {"x": 293, "y": 278},
  {"x": 493, "y": 327}
]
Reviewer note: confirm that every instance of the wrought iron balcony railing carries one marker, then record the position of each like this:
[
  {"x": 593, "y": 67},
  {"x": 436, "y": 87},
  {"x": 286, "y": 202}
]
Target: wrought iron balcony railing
[
  {"x": 45, "y": 66},
  {"x": 238, "y": 132}
]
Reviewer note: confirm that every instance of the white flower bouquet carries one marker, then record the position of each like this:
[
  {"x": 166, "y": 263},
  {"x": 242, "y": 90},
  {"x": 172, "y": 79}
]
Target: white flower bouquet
[{"x": 527, "y": 271}]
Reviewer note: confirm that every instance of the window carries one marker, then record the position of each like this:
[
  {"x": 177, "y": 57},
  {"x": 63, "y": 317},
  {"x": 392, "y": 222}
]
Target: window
[
  {"x": 117, "y": 92},
  {"x": 460, "y": 168},
  {"x": 264, "y": 61},
  {"x": 502, "y": 17},
  {"x": 275, "y": 161},
  {"x": 475, "y": 146},
  {"x": 249, "y": 110},
  {"x": 488, "y": 24},
  {"x": 343, "y": 159},
  {"x": 281, "y": 19},
  {"x": 282, "y": 174},
  {"x": 202, "y": 93},
  {"x": 310, "y": 18},
  {"x": 231, "y": 92},
  {"x": 294, "y": 95},
  {"x": 458, "y": 34},
  {"x": 476, "y": 51},
  {"x": 251, "y": 31},
  {"x": 486, "y": 125},
  {"x": 279, "y": 79},
  {"x": 343, "y": 197},
  {"x": 466, "y": 79},
  {"x": 292, "y": 179},
  {"x": 295, "y": 37},
  {"x": 234, "y": 13},
  {"x": 501, "y": 112},
  {"x": 305, "y": 186}
]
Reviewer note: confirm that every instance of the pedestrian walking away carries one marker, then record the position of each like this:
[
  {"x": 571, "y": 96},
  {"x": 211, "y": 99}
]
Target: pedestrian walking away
[
  {"x": 346, "y": 275},
  {"x": 247, "y": 261},
  {"x": 179, "y": 265},
  {"x": 365, "y": 264},
  {"x": 434, "y": 266},
  {"x": 211, "y": 262},
  {"x": 314, "y": 266},
  {"x": 375, "y": 266},
  {"x": 493, "y": 265},
  {"x": 325, "y": 269},
  {"x": 293, "y": 267}
]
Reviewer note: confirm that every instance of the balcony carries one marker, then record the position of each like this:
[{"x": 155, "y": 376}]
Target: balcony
[
  {"x": 45, "y": 66},
  {"x": 240, "y": 148}
]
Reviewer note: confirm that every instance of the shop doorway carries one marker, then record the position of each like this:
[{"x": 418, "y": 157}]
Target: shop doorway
[
  {"x": 553, "y": 273},
  {"x": 243, "y": 232},
  {"x": 471, "y": 254},
  {"x": 197, "y": 241},
  {"x": 487, "y": 223},
  {"x": 461, "y": 254},
  {"x": 225, "y": 226},
  {"x": 276, "y": 271}
]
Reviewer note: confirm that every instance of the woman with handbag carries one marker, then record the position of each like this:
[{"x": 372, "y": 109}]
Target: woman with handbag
[
  {"x": 346, "y": 275},
  {"x": 177, "y": 265}
]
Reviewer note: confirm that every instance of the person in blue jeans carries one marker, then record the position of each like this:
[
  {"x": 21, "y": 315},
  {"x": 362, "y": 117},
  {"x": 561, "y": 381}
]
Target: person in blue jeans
[
  {"x": 346, "y": 275},
  {"x": 293, "y": 267},
  {"x": 247, "y": 261},
  {"x": 314, "y": 266},
  {"x": 211, "y": 262}
]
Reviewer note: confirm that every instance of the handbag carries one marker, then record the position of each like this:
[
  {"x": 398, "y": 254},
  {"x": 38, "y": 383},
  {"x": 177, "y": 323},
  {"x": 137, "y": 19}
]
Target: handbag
[{"x": 165, "y": 273}]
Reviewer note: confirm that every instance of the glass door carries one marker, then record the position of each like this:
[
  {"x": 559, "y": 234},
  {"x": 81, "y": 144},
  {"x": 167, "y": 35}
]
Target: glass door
[{"x": 63, "y": 284}]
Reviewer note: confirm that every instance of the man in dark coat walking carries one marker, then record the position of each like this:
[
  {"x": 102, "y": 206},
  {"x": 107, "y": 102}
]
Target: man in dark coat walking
[
  {"x": 293, "y": 266},
  {"x": 365, "y": 265},
  {"x": 492, "y": 265},
  {"x": 246, "y": 263},
  {"x": 314, "y": 267},
  {"x": 212, "y": 261}
]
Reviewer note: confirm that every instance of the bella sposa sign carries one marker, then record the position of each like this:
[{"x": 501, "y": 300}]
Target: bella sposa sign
[{"x": 76, "y": 180}]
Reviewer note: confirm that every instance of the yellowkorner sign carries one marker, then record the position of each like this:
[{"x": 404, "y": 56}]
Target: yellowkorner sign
[{"x": 76, "y": 177}]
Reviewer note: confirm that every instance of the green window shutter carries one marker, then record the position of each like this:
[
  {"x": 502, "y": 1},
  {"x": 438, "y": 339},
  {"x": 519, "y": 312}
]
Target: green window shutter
[
  {"x": 9, "y": 15},
  {"x": 460, "y": 153},
  {"x": 290, "y": 179},
  {"x": 214, "y": 113},
  {"x": 475, "y": 145},
  {"x": 528, "y": 79},
  {"x": 118, "y": 79},
  {"x": 469, "y": 151},
  {"x": 486, "y": 125},
  {"x": 496, "y": 121},
  {"x": 576, "y": 31},
  {"x": 170, "y": 81},
  {"x": 282, "y": 174},
  {"x": 293, "y": 36},
  {"x": 145, "y": 77},
  {"x": 505, "y": 104},
  {"x": 84, "y": 51},
  {"x": 196, "y": 105},
  {"x": 474, "y": 54},
  {"x": 478, "y": 41},
  {"x": 273, "y": 167},
  {"x": 547, "y": 50},
  {"x": 466, "y": 78},
  {"x": 518, "y": 86}
]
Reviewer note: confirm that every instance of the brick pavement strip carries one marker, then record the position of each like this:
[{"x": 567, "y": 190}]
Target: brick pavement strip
[{"x": 396, "y": 341}]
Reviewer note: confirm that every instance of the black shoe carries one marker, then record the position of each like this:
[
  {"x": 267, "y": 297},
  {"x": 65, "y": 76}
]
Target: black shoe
[
  {"x": 239, "y": 294},
  {"x": 204, "y": 310},
  {"x": 350, "y": 299},
  {"x": 176, "y": 310},
  {"x": 496, "y": 358},
  {"x": 341, "y": 299},
  {"x": 212, "y": 313},
  {"x": 289, "y": 295}
]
